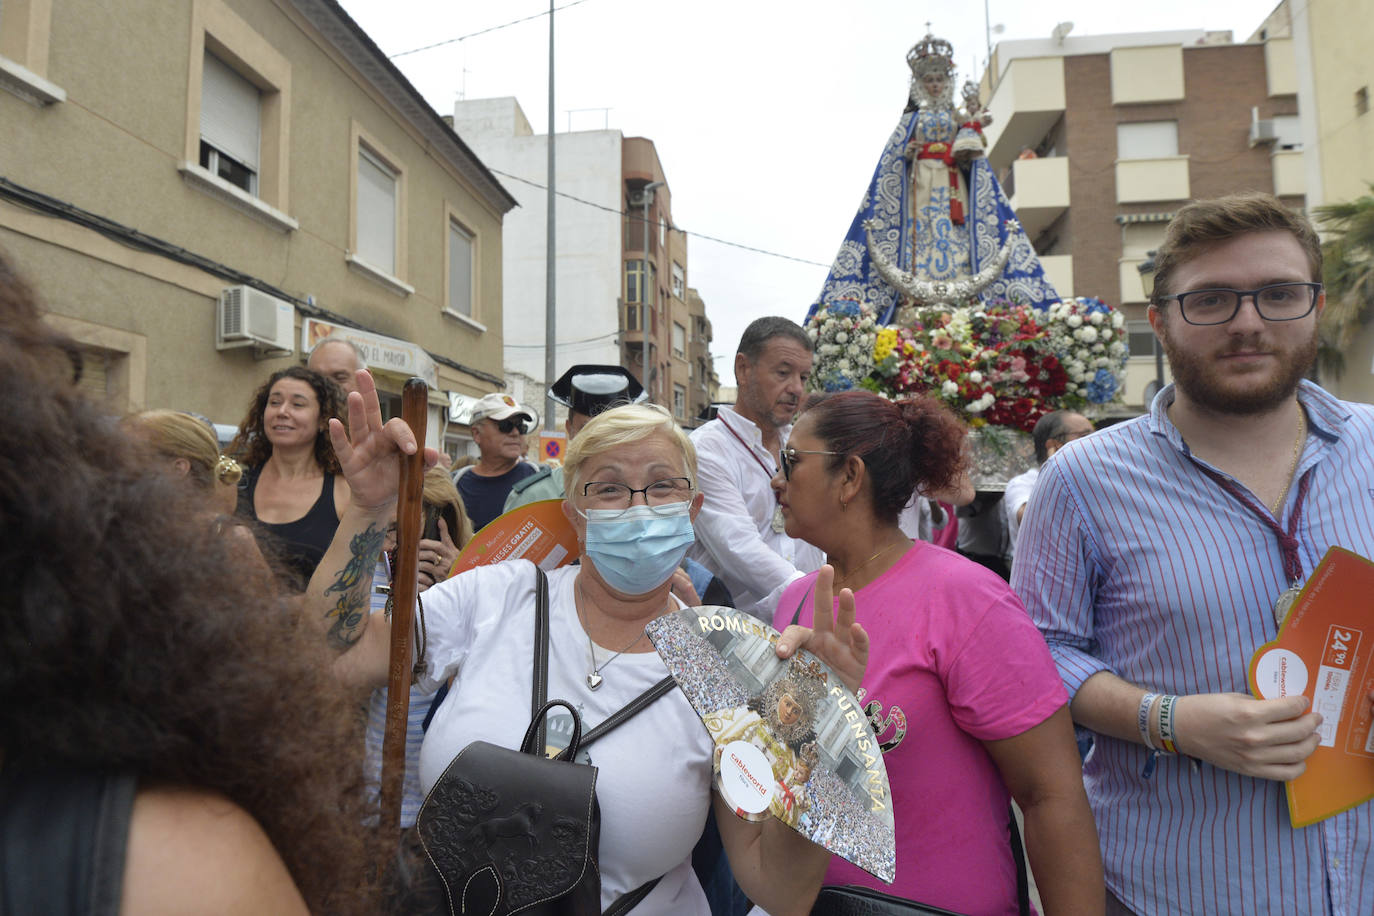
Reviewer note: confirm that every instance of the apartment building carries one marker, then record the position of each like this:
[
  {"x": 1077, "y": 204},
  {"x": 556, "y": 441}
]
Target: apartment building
[
  {"x": 203, "y": 190},
  {"x": 621, "y": 281},
  {"x": 1100, "y": 139}
]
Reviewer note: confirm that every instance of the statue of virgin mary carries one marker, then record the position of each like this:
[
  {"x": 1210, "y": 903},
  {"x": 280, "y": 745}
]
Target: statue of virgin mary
[{"x": 934, "y": 227}]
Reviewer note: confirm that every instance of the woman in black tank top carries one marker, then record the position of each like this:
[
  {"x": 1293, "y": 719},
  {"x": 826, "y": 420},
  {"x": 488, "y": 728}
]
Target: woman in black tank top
[{"x": 291, "y": 490}]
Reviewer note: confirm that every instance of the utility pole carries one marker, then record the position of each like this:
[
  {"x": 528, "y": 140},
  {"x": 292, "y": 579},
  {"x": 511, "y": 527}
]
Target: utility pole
[{"x": 550, "y": 322}]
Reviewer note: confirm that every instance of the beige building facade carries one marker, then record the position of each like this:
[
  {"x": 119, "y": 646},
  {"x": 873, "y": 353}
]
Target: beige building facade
[
  {"x": 201, "y": 191},
  {"x": 1335, "y": 76}
]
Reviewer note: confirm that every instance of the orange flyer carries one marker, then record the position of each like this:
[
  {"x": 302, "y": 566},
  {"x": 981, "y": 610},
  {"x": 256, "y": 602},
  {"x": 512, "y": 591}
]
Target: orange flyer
[
  {"x": 538, "y": 532},
  {"x": 1323, "y": 651}
]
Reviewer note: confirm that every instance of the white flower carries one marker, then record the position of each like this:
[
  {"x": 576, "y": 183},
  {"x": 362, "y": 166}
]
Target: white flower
[
  {"x": 949, "y": 388},
  {"x": 975, "y": 377},
  {"x": 1073, "y": 321},
  {"x": 1102, "y": 362},
  {"x": 1087, "y": 334},
  {"x": 1096, "y": 317},
  {"x": 841, "y": 337},
  {"x": 1118, "y": 319},
  {"x": 1116, "y": 348},
  {"x": 842, "y": 365},
  {"x": 1075, "y": 368}
]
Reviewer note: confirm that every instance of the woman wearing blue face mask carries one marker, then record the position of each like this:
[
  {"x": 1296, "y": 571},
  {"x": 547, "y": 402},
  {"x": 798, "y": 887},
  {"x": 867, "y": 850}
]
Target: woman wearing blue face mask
[{"x": 630, "y": 492}]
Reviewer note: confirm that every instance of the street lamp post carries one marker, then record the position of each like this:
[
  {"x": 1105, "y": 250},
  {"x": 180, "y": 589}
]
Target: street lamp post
[
  {"x": 1147, "y": 282},
  {"x": 647, "y": 193}
]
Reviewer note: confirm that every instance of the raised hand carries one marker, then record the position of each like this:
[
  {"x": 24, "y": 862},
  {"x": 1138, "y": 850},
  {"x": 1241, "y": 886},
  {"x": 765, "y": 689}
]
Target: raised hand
[
  {"x": 369, "y": 452},
  {"x": 1267, "y": 739},
  {"x": 838, "y": 641}
]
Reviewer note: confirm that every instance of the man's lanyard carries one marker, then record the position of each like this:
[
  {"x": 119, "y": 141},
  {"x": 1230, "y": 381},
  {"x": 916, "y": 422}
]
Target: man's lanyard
[
  {"x": 752, "y": 454},
  {"x": 1288, "y": 540}
]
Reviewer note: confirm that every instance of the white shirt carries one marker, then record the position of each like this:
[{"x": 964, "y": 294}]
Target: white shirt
[
  {"x": 734, "y": 530},
  {"x": 655, "y": 777},
  {"x": 1018, "y": 493}
]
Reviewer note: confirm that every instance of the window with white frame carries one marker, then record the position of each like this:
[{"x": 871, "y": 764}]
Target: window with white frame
[
  {"x": 377, "y": 184},
  {"x": 679, "y": 281},
  {"x": 459, "y": 269},
  {"x": 1147, "y": 140},
  {"x": 679, "y": 402},
  {"x": 679, "y": 341},
  {"x": 230, "y": 125}
]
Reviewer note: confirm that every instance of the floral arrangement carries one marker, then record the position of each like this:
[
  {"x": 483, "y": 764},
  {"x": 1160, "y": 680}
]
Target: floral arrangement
[
  {"x": 843, "y": 335},
  {"x": 1000, "y": 364}
]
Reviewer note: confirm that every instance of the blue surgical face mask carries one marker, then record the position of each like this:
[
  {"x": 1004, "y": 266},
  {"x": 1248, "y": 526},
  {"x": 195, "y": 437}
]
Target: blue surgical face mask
[{"x": 636, "y": 551}]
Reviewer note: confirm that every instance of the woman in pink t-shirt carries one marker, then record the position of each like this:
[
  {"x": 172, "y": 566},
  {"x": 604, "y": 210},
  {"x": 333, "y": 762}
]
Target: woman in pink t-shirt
[{"x": 967, "y": 703}]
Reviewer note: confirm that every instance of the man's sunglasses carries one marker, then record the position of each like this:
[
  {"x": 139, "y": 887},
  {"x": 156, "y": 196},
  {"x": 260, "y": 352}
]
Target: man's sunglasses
[{"x": 507, "y": 427}]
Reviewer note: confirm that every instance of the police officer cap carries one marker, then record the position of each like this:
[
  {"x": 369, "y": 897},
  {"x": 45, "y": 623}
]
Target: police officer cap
[{"x": 591, "y": 389}]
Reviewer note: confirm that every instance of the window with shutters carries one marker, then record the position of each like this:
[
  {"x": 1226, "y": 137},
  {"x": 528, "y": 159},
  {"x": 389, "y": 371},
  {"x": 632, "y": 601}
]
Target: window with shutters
[
  {"x": 377, "y": 248},
  {"x": 230, "y": 125},
  {"x": 237, "y": 116},
  {"x": 460, "y": 271}
]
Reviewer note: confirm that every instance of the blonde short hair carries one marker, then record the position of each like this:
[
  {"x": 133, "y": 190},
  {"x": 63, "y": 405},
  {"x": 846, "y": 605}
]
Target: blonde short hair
[
  {"x": 622, "y": 426},
  {"x": 180, "y": 435}
]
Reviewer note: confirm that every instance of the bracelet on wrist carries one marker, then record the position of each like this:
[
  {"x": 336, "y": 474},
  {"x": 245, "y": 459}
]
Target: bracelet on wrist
[
  {"x": 1142, "y": 719},
  {"x": 1166, "y": 724}
]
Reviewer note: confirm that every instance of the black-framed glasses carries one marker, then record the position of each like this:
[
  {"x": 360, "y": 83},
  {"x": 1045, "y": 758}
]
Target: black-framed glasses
[
  {"x": 788, "y": 458},
  {"x": 506, "y": 427},
  {"x": 661, "y": 496},
  {"x": 1275, "y": 302}
]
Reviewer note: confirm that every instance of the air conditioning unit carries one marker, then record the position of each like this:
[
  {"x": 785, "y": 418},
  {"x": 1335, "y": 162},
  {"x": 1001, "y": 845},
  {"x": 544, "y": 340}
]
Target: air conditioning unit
[
  {"x": 248, "y": 317},
  {"x": 640, "y": 198}
]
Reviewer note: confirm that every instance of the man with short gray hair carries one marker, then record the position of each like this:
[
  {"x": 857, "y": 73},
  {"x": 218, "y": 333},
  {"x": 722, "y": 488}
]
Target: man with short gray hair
[
  {"x": 338, "y": 360},
  {"x": 740, "y": 531}
]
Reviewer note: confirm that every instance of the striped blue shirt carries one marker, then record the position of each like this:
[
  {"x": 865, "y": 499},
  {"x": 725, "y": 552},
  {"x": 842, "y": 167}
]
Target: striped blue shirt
[{"x": 1133, "y": 561}]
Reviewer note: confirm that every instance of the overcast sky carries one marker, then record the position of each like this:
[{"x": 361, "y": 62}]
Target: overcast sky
[{"x": 768, "y": 116}]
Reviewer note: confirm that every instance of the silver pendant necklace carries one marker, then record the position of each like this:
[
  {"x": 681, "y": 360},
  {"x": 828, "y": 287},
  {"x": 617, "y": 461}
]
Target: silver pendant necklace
[{"x": 594, "y": 677}]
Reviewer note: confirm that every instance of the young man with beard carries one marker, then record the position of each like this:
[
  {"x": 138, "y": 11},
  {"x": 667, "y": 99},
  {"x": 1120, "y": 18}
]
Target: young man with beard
[
  {"x": 1158, "y": 559},
  {"x": 740, "y": 534}
]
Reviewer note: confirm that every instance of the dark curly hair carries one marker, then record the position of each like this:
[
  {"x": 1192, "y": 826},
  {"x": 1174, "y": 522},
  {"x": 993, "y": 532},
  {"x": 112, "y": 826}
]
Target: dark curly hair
[
  {"x": 251, "y": 447},
  {"x": 903, "y": 444},
  {"x": 133, "y": 637}
]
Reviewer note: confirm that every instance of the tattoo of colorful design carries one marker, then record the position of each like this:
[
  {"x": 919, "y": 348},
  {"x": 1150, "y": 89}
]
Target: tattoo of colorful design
[{"x": 349, "y": 611}]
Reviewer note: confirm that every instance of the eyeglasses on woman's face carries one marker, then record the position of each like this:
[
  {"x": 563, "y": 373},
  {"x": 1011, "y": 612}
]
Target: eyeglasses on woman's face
[
  {"x": 661, "y": 496},
  {"x": 788, "y": 458}
]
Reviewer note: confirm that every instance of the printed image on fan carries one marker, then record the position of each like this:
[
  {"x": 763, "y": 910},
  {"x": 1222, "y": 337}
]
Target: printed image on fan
[{"x": 791, "y": 741}]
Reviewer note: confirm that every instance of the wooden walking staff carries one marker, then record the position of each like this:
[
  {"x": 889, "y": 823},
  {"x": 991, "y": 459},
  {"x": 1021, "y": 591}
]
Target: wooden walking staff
[{"x": 404, "y": 589}]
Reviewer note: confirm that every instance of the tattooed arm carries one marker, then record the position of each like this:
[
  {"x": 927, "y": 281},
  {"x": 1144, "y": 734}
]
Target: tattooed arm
[
  {"x": 347, "y": 614},
  {"x": 338, "y": 594}
]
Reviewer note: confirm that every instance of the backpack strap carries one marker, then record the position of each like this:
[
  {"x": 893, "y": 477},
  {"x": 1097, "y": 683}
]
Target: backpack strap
[
  {"x": 630, "y": 899},
  {"x": 629, "y": 709}
]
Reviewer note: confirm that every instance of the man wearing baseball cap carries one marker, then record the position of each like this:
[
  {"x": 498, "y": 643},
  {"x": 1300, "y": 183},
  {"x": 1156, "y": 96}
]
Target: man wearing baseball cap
[
  {"x": 585, "y": 390},
  {"x": 499, "y": 424}
]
